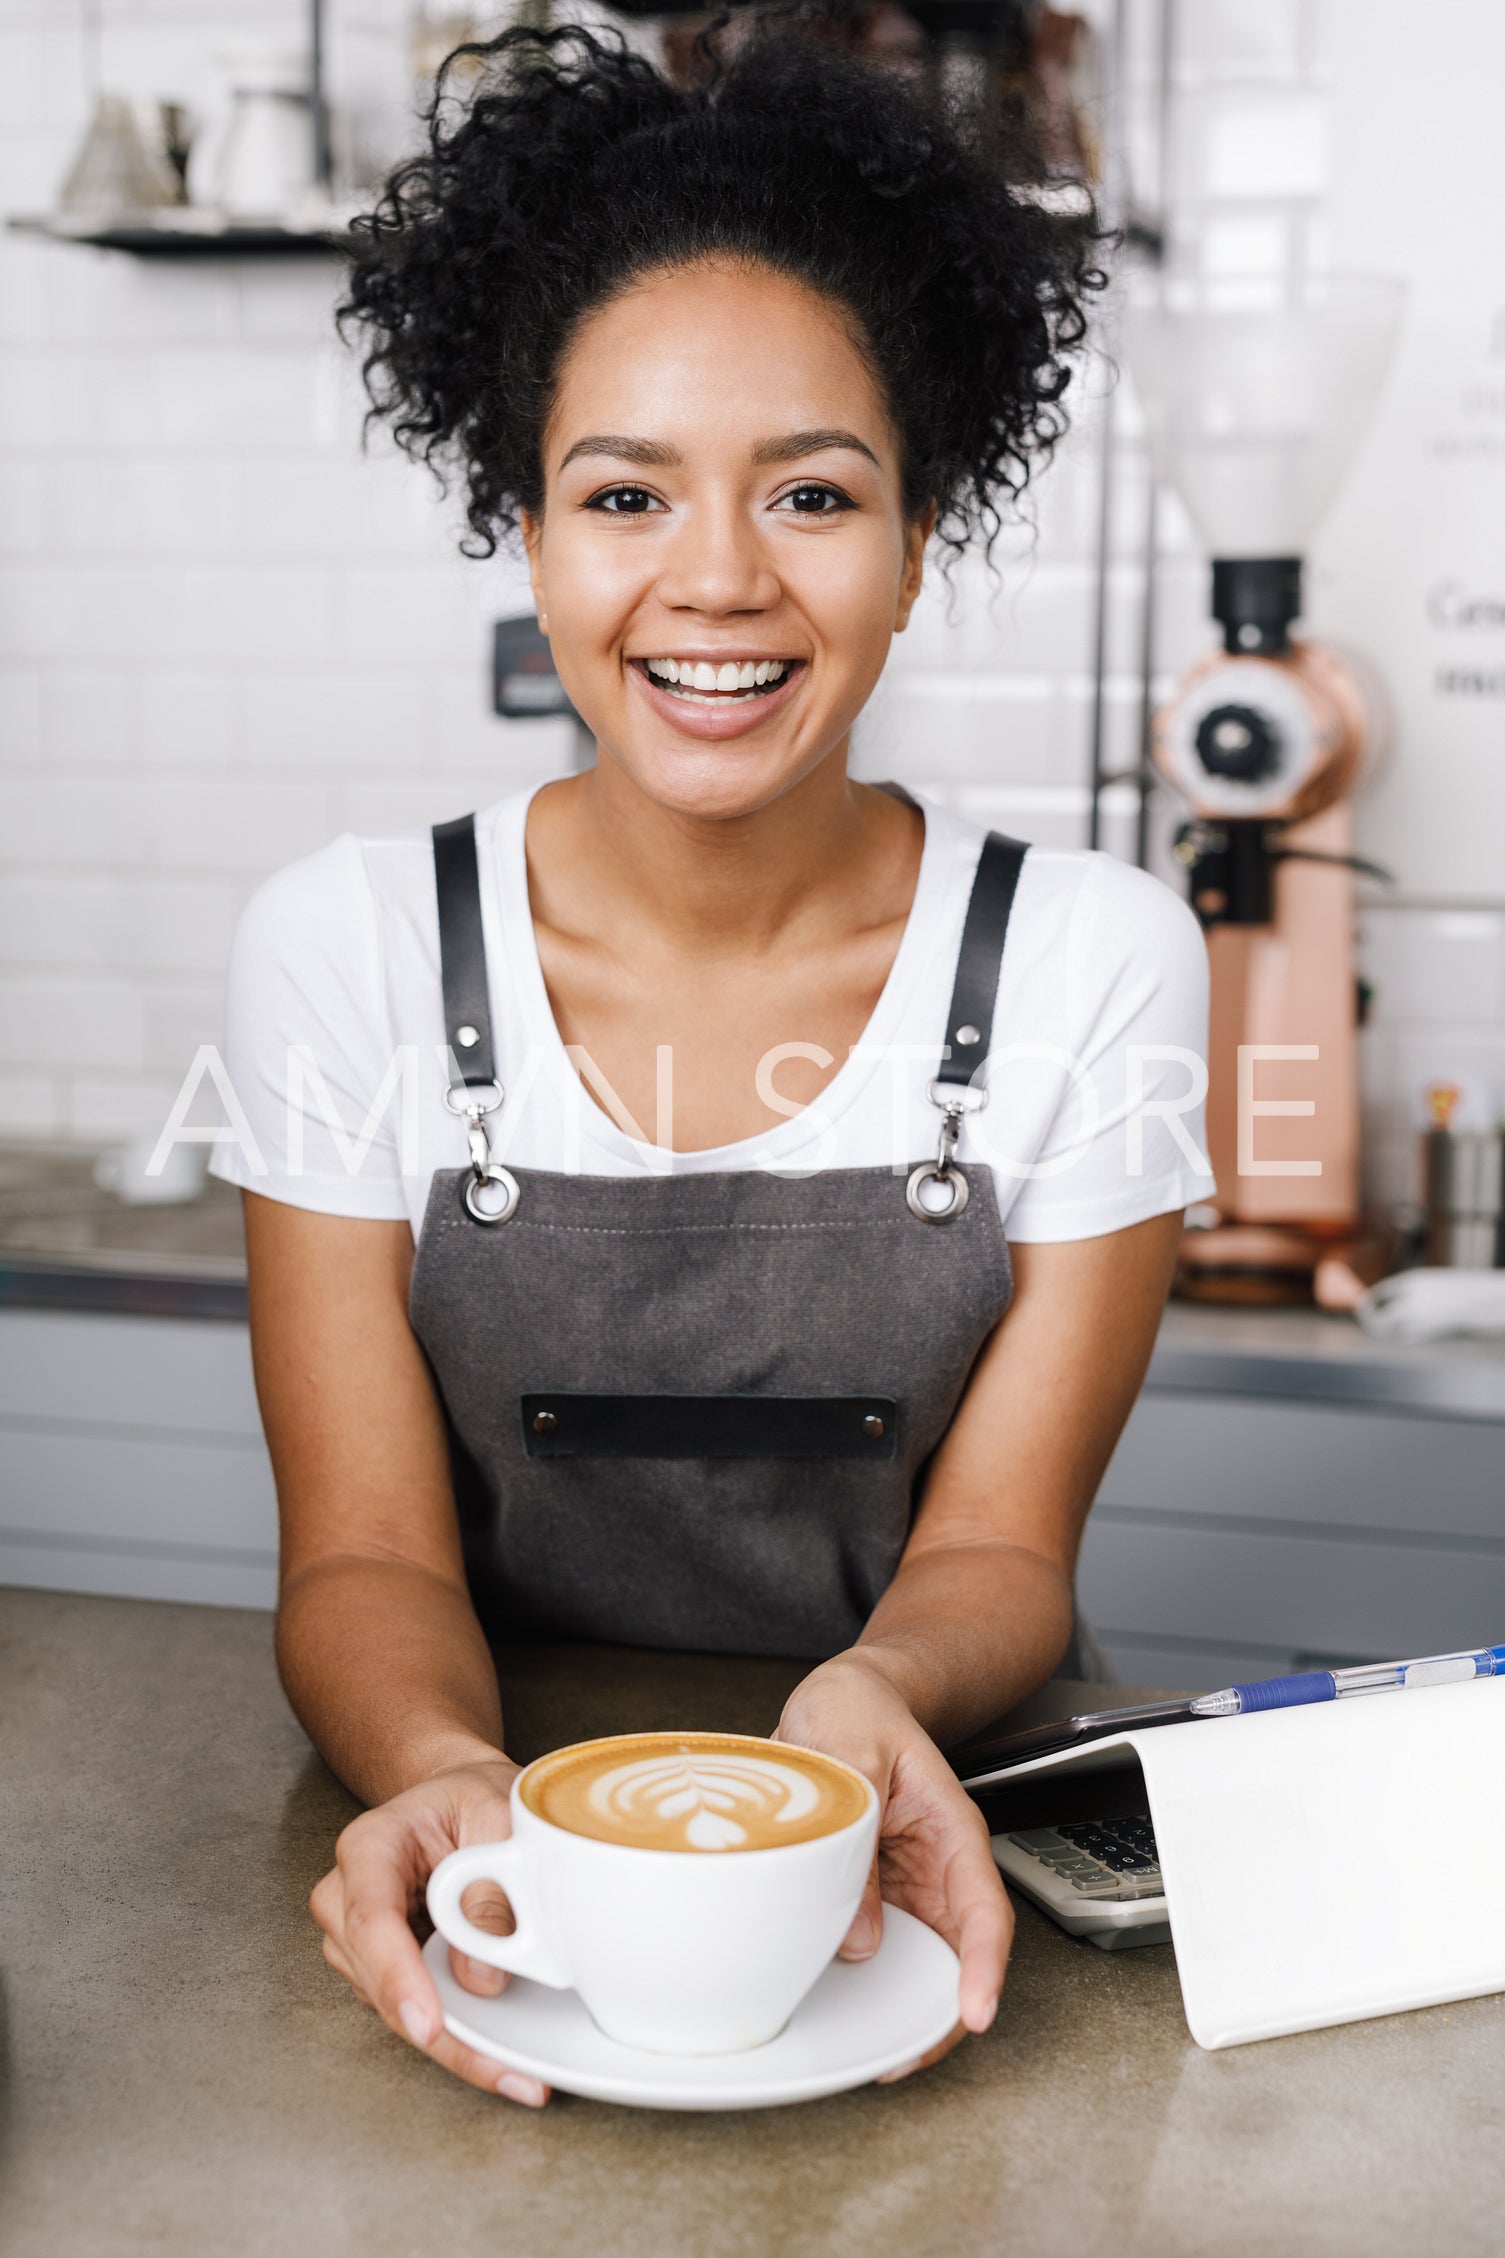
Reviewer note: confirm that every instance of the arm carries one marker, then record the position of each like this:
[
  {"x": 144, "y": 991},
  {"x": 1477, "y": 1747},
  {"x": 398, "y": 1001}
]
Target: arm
[
  {"x": 377, "y": 1643},
  {"x": 378, "y": 1646},
  {"x": 979, "y": 1611}
]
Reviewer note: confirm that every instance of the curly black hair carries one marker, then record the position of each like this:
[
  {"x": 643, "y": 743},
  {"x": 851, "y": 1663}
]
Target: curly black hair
[{"x": 575, "y": 166}]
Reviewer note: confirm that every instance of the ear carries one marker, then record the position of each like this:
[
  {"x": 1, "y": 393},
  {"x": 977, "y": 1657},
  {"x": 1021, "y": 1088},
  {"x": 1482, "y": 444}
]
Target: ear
[
  {"x": 913, "y": 574},
  {"x": 532, "y": 532}
]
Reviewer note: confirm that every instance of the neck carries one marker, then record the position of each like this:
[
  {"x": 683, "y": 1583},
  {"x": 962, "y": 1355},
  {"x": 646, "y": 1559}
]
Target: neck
[{"x": 602, "y": 854}]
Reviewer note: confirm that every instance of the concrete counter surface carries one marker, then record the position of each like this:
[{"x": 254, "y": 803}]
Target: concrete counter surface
[{"x": 182, "y": 2074}]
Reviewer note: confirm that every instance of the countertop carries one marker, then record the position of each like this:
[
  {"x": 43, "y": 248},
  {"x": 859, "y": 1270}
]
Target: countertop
[
  {"x": 64, "y": 1244},
  {"x": 183, "y": 2075}
]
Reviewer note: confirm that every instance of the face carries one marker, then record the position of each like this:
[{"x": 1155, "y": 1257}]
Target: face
[{"x": 723, "y": 554}]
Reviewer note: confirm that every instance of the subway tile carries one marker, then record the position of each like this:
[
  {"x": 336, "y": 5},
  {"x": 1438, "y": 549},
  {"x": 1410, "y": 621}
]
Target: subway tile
[
  {"x": 166, "y": 611},
  {"x": 42, "y": 71},
  {"x": 235, "y": 825},
  {"x": 1237, "y": 243},
  {"x": 329, "y": 720},
  {"x": 289, "y": 302},
  {"x": 1048, "y": 815},
  {"x": 147, "y": 506},
  {"x": 961, "y": 728},
  {"x": 393, "y": 810},
  {"x": 139, "y": 921},
  {"x": 354, "y": 509},
  {"x": 29, "y": 1105},
  {"x": 467, "y": 734},
  {"x": 25, "y": 518},
  {"x": 102, "y": 1109},
  {"x": 177, "y": 1019},
  {"x": 235, "y": 399},
  {"x": 48, "y": 1022},
  {"x": 20, "y": 716},
  {"x": 422, "y": 615},
  {"x": 165, "y": 822},
  {"x": 90, "y": 714},
  {"x": 59, "y": 822},
  {"x": 189, "y": 715},
  {"x": 1232, "y": 35},
  {"x": 1264, "y": 145},
  {"x": 1434, "y": 964}
]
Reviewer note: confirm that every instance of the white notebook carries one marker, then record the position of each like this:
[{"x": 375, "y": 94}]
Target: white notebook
[{"x": 1328, "y": 1863}]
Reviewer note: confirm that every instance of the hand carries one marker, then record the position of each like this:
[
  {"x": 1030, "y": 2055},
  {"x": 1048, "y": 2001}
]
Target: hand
[
  {"x": 934, "y": 1858},
  {"x": 366, "y": 1908}
]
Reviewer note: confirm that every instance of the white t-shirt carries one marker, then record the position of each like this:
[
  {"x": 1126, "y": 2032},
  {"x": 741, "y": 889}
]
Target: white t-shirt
[{"x": 336, "y": 1061}]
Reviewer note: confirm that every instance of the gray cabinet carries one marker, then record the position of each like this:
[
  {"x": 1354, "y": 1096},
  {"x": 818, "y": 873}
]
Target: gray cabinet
[
  {"x": 131, "y": 1459},
  {"x": 1237, "y": 1535},
  {"x": 1247, "y": 1520}
]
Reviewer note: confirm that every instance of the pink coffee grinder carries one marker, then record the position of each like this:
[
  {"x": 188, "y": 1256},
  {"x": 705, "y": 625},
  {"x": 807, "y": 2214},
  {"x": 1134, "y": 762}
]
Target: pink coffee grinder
[{"x": 1256, "y": 393}]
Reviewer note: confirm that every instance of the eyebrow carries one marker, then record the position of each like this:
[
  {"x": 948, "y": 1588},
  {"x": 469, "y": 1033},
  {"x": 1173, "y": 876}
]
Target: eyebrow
[{"x": 657, "y": 454}]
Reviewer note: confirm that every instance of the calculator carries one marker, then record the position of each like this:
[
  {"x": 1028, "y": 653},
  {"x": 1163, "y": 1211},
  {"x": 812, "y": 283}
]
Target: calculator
[{"x": 1096, "y": 1878}]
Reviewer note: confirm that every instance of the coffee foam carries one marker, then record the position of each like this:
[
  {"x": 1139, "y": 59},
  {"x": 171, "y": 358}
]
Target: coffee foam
[{"x": 693, "y": 1791}]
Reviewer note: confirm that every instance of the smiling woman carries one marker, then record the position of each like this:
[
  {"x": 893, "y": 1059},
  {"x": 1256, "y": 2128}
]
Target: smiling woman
[{"x": 766, "y": 1256}]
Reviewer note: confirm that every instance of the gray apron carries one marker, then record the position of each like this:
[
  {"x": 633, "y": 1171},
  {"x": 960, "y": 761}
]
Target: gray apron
[{"x": 696, "y": 1411}]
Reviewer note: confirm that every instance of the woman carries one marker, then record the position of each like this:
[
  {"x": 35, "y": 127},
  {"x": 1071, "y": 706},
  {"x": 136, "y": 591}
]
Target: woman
[{"x": 708, "y": 1301}]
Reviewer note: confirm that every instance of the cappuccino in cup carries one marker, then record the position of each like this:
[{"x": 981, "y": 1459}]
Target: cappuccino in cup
[
  {"x": 709, "y": 1792},
  {"x": 690, "y": 1887}
]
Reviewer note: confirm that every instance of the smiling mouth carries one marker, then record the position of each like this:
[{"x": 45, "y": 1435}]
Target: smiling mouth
[{"x": 733, "y": 682}]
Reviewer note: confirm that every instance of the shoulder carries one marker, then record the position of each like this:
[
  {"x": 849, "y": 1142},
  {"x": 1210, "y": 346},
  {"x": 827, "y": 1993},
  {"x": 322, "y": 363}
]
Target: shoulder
[{"x": 1109, "y": 921}]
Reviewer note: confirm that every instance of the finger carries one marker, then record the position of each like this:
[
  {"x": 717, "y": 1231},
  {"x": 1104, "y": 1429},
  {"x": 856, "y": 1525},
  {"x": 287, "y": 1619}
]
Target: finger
[
  {"x": 377, "y": 1939},
  {"x": 866, "y": 1933},
  {"x": 982, "y": 1924},
  {"x": 487, "y": 2076},
  {"x": 486, "y": 1905},
  {"x": 476, "y": 1975},
  {"x": 923, "y": 2061}
]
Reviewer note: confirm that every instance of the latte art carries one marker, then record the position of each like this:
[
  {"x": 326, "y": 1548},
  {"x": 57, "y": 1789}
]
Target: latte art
[
  {"x": 714, "y": 1802},
  {"x": 694, "y": 1792}
]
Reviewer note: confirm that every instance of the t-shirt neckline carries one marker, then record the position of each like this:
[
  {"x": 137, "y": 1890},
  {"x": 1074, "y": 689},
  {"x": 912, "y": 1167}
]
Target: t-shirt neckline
[{"x": 524, "y": 983}]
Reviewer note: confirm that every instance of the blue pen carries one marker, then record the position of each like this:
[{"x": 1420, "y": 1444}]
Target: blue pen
[{"x": 1336, "y": 1685}]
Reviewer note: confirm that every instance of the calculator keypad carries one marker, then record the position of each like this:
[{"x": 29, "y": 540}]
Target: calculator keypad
[{"x": 1112, "y": 1859}]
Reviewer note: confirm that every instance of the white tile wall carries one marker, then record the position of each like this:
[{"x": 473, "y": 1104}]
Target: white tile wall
[{"x": 224, "y": 633}]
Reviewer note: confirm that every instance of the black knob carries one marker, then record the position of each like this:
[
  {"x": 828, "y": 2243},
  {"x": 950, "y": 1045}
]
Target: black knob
[{"x": 1238, "y": 743}]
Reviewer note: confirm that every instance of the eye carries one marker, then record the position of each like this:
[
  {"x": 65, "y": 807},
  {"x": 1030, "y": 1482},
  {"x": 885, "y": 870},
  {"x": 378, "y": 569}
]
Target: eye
[
  {"x": 814, "y": 500},
  {"x": 624, "y": 501}
]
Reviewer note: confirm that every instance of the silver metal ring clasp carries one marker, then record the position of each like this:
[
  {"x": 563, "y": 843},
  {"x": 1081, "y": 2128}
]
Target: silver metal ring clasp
[
  {"x": 953, "y": 1100},
  {"x": 931, "y": 1172},
  {"x": 485, "y": 1206},
  {"x": 491, "y": 1192}
]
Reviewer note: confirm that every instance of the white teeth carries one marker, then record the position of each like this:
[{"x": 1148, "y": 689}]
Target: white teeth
[{"x": 724, "y": 680}]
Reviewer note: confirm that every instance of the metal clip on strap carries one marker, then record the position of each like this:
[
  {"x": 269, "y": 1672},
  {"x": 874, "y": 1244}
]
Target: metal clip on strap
[
  {"x": 969, "y": 1023},
  {"x": 491, "y": 1192}
]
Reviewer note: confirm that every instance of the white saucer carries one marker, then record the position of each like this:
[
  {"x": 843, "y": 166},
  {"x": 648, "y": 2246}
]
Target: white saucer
[{"x": 862, "y": 2018}]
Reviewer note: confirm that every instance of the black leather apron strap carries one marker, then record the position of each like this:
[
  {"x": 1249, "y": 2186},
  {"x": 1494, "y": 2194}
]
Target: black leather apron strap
[
  {"x": 462, "y": 951},
  {"x": 969, "y": 1024},
  {"x": 565, "y": 1423}
]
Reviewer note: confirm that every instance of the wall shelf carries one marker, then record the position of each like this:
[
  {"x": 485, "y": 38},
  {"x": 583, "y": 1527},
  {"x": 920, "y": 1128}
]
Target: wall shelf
[{"x": 181, "y": 232}]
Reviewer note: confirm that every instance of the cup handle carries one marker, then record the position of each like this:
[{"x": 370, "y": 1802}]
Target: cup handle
[{"x": 525, "y": 1952}]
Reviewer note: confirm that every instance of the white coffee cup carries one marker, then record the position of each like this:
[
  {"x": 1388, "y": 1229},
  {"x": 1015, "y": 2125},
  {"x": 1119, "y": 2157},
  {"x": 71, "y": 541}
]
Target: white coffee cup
[
  {"x": 127, "y": 1171},
  {"x": 672, "y": 1951}
]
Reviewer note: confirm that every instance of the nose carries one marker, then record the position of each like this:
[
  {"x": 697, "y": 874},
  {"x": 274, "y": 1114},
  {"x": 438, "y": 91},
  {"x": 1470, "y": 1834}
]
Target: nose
[{"x": 716, "y": 564}]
